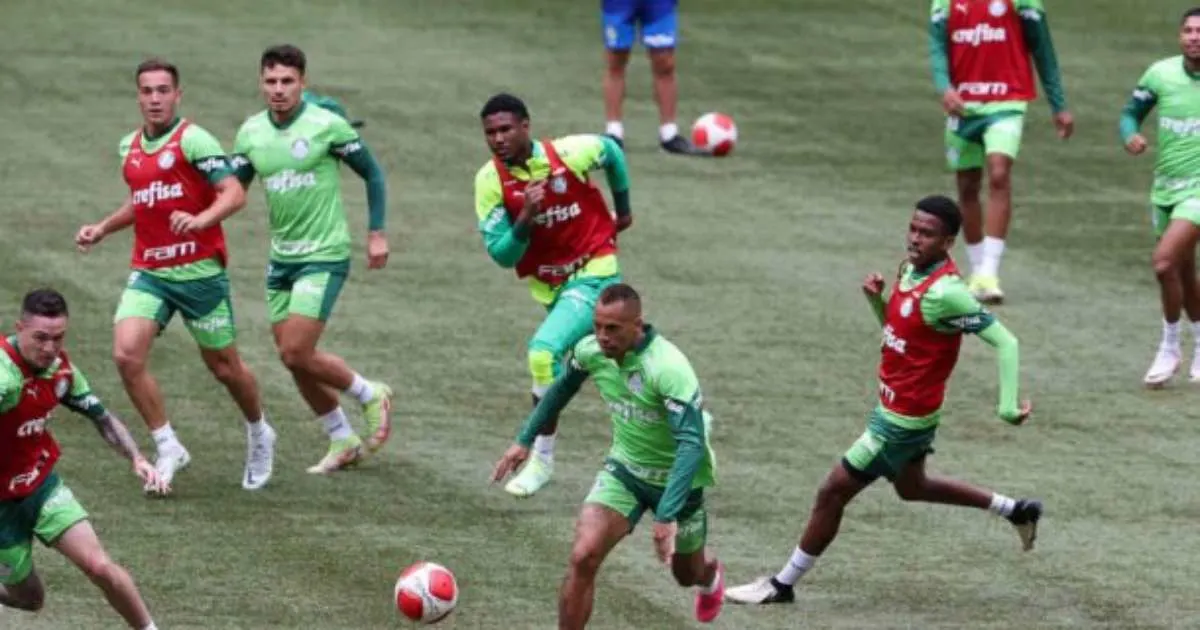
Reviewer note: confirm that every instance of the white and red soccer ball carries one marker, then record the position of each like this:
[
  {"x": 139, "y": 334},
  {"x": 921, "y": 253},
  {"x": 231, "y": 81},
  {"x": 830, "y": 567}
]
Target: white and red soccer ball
[
  {"x": 715, "y": 133},
  {"x": 426, "y": 593}
]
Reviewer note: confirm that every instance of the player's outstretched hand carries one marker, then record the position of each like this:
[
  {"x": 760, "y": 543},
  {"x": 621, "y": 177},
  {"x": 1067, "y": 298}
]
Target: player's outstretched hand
[
  {"x": 664, "y": 540},
  {"x": 377, "y": 250},
  {"x": 873, "y": 285},
  {"x": 87, "y": 236},
  {"x": 1136, "y": 144},
  {"x": 151, "y": 481},
  {"x": 952, "y": 103},
  {"x": 1064, "y": 122},
  {"x": 512, "y": 460}
]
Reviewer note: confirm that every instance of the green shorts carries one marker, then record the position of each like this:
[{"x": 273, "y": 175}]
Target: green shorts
[
  {"x": 204, "y": 304},
  {"x": 307, "y": 289},
  {"x": 885, "y": 448},
  {"x": 617, "y": 489},
  {"x": 969, "y": 140},
  {"x": 47, "y": 513},
  {"x": 569, "y": 316},
  {"x": 1186, "y": 210}
]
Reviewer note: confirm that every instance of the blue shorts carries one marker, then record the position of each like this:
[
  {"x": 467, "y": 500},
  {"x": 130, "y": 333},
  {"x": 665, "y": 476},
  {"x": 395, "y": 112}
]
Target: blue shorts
[{"x": 658, "y": 19}]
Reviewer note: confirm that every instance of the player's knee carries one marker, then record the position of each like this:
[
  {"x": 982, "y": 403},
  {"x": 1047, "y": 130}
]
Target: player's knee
[
  {"x": 296, "y": 358},
  {"x": 129, "y": 361},
  {"x": 1165, "y": 265},
  {"x": 226, "y": 368},
  {"x": 585, "y": 560},
  {"x": 617, "y": 61},
  {"x": 999, "y": 176},
  {"x": 662, "y": 63},
  {"x": 969, "y": 184}
]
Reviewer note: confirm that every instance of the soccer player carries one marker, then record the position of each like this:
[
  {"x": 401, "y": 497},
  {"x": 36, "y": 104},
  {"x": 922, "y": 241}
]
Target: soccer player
[
  {"x": 181, "y": 187},
  {"x": 36, "y": 376},
  {"x": 979, "y": 52},
  {"x": 923, "y": 321},
  {"x": 539, "y": 214},
  {"x": 1171, "y": 84},
  {"x": 296, "y": 150},
  {"x": 660, "y": 460},
  {"x": 659, "y": 24}
]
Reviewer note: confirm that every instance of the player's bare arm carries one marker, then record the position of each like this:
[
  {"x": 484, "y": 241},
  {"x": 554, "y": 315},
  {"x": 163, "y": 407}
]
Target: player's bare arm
[
  {"x": 231, "y": 197},
  {"x": 117, "y": 435},
  {"x": 121, "y": 218}
]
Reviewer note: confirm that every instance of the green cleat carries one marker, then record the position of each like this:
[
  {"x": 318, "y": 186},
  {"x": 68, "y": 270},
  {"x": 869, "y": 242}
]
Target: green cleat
[
  {"x": 342, "y": 454},
  {"x": 378, "y": 413},
  {"x": 533, "y": 477}
]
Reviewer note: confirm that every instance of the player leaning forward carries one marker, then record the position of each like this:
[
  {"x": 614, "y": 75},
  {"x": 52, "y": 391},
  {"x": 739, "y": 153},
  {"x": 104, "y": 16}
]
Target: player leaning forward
[
  {"x": 540, "y": 214},
  {"x": 296, "y": 149},
  {"x": 1173, "y": 85},
  {"x": 36, "y": 376},
  {"x": 181, "y": 187},
  {"x": 923, "y": 321},
  {"x": 660, "y": 460},
  {"x": 979, "y": 53}
]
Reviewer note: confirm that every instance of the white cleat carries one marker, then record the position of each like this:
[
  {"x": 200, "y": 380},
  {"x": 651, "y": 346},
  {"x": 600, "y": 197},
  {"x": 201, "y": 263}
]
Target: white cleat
[
  {"x": 533, "y": 477},
  {"x": 260, "y": 460},
  {"x": 1194, "y": 374},
  {"x": 169, "y": 462},
  {"x": 764, "y": 590},
  {"x": 1166, "y": 364}
]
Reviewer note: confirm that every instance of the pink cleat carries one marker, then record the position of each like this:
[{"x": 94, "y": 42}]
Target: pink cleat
[{"x": 708, "y": 606}]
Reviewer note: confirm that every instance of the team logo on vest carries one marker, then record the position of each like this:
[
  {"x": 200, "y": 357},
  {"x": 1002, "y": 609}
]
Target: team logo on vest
[
  {"x": 60, "y": 388},
  {"x": 997, "y": 8},
  {"x": 166, "y": 160},
  {"x": 635, "y": 383},
  {"x": 157, "y": 191},
  {"x": 906, "y": 307},
  {"x": 300, "y": 148},
  {"x": 558, "y": 184},
  {"x": 890, "y": 340}
]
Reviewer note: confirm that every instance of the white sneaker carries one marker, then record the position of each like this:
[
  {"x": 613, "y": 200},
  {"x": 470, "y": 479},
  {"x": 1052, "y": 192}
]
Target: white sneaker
[
  {"x": 764, "y": 590},
  {"x": 260, "y": 459},
  {"x": 170, "y": 461},
  {"x": 1166, "y": 364}
]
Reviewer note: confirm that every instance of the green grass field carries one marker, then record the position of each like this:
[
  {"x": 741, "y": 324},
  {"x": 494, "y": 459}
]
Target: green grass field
[{"x": 750, "y": 264}]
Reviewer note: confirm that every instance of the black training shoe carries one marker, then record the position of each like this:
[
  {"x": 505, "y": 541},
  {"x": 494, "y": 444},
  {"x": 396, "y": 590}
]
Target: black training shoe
[
  {"x": 680, "y": 146},
  {"x": 1025, "y": 517}
]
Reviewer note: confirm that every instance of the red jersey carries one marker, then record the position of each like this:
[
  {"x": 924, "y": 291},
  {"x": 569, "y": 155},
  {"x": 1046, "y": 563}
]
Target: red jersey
[
  {"x": 574, "y": 226},
  {"x": 161, "y": 183},
  {"x": 989, "y": 59},
  {"x": 28, "y": 451},
  {"x": 917, "y": 359}
]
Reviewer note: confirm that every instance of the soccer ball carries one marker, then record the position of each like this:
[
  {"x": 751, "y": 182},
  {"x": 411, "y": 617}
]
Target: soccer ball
[
  {"x": 715, "y": 133},
  {"x": 426, "y": 593}
]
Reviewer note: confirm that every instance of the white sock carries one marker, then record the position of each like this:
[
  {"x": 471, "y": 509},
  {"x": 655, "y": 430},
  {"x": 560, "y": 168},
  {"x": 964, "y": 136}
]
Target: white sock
[
  {"x": 1170, "y": 336},
  {"x": 543, "y": 445},
  {"x": 336, "y": 425},
  {"x": 258, "y": 428},
  {"x": 668, "y": 131},
  {"x": 796, "y": 567},
  {"x": 164, "y": 438},
  {"x": 361, "y": 389},
  {"x": 975, "y": 256},
  {"x": 151, "y": 626},
  {"x": 993, "y": 250},
  {"x": 1002, "y": 505},
  {"x": 1196, "y": 334},
  {"x": 712, "y": 588},
  {"x": 615, "y": 128}
]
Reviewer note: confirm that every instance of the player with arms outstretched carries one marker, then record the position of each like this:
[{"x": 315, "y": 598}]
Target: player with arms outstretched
[
  {"x": 660, "y": 460},
  {"x": 36, "y": 377},
  {"x": 540, "y": 214},
  {"x": 1173, "y": 85},
  {"x": 979, "y": 53},
  {"x": 181, "y": 187},
  {"x": 296, "y": 149},
  {"x": 924, "y": 320}
]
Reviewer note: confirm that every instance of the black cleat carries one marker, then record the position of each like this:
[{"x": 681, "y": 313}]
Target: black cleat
[
  {"x": 680, "y": 146},
  {"x": 1025, "y": 517}
]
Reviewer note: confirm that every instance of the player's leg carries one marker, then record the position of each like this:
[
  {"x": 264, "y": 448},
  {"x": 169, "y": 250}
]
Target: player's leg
[
  {"x": 912, "y": 483},
  {"x": 964, "y": 157},
  {"x": 693, "y": 565},
  {"x": 1001, "y": 143},
  {"x": 143, "y": 312},
  {"x": 1190, "y": 284},
  {"x": 569, "y": 320},
  {"x": 299, "y": 319},
  {"x": 609, "y": 513},
  {"x": 660, "y": 34},
  {"x": 20, "y": 585},
  {"x": 866, "y": 460},
  {"x": 1180, "y": 236},
  {"x": 207, "y": 310},
  {"x": 618, "y": 24}
]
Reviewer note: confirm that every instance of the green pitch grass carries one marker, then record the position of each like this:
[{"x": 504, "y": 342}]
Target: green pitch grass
[{"x": 750, "y": 264}]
